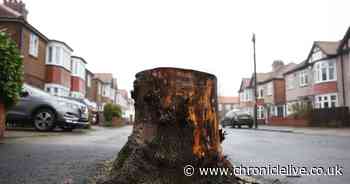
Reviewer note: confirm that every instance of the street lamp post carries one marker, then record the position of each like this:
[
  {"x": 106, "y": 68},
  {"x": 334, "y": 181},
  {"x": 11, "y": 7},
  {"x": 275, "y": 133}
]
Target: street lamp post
[{"x": 255, "y": 86}]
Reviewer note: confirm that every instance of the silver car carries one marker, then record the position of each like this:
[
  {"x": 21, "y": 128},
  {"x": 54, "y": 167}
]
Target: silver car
[{"x": 46, "y": 111}]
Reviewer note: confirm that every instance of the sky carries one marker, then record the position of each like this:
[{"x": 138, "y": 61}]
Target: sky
[{"x": 124, "y": 37}]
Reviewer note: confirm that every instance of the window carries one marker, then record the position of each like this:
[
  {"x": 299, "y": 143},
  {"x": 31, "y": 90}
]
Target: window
[
  {"x": 291, "y": 81},
  {"x": 58, "y": 55},
  {"x": 261, "y": 92},
  {"x": 33, "y": 45},
  {"x": 326, "y": 101},
  {"x": 325, "y": 71},
  {"x": 303, "y": 78},
  {"x": 50, "y": 55},
  {"x": 220, "y": 107},
  {"x": 260, "y": 112},
  {"x": 88, "y": 78},
  {"x": 269, "y": 88}
]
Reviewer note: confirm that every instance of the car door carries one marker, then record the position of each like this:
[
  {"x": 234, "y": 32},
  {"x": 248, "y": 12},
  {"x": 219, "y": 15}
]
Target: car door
[{"x": 21, "y": 111}]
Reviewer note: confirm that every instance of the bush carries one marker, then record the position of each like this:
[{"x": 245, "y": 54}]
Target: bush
[
  {"x": 111, "y": 111},
  {"x": 10, "y": 71}
]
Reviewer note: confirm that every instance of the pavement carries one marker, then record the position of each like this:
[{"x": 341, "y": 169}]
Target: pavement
[
  {"x": 29, "y": 157},
  {"x": 308, "y": 130}
]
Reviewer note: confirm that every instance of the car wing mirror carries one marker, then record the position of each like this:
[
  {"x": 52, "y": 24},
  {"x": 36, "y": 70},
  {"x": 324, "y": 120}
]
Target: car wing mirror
[{"x": 24, "y": 94}]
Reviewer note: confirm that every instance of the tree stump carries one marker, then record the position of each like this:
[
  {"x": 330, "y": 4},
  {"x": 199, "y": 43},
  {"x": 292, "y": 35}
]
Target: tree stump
[{"x": 176, "y": 124}]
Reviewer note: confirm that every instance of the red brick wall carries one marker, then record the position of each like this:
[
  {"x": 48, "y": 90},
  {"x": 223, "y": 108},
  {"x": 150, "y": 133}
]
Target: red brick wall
[
  {"x": 58, "y": 75},
  {"x": 2, "y": 120},
  {"x": 34, "y": 67},
  {"x": 326, "y": 87},
  {"x": 279, "y": 91},
  {"x": 77, "y": 84},
  {"x": 288, "y": 121}
]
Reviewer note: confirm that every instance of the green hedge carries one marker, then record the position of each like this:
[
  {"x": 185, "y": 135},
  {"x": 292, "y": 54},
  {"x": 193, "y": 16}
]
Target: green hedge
[
  {"x": 11, "y": 71},
  {"x": 110, "y": 111}
]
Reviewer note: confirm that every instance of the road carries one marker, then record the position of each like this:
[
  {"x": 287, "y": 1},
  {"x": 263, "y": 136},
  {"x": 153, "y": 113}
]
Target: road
[
  {"x": 261, "y": 148},
  {"x": 73, "y": 156},
  {"x": 61, "y": 158}
]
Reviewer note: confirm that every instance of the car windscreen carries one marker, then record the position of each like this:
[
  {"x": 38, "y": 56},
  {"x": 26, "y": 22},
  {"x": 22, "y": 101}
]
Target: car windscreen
[
  {"x": 230, "y": 114},
  {"x": 34, "y": 91}
]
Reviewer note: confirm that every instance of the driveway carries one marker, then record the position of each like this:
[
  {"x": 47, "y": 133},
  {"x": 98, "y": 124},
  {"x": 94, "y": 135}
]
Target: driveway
[{"x": 60, "y": 157}]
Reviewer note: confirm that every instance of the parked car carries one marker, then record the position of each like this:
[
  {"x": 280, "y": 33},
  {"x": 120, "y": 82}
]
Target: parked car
[
  {"x": 92, "y": 108},
  {"x": 46, "y": 111},
  {"x": 237, "y": 119}
]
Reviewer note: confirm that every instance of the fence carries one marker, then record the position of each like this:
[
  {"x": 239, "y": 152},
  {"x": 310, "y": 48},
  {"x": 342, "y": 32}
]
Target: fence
[{"x": 338, "y": 116}]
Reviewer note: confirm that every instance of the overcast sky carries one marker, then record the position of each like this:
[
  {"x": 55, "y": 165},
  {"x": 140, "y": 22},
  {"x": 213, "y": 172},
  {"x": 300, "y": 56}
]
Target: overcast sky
[{"x": 128, "y": 36}]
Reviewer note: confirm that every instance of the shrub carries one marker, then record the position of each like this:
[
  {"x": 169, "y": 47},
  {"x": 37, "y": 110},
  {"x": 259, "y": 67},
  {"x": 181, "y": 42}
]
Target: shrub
[
  {"x": 112, "y": 111},
  {"x": 10, "y": 71}
]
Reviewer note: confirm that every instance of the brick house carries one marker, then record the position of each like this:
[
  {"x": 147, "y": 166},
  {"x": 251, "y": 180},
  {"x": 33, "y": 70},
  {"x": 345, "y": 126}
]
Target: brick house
[
  {"x": 317, "y": 80},
  {"x": 108, "y": 87},
  {"x": 344, "y": 62},
  {"x": 78, "y": 88},
  {"x": 226, "y": 104},
  {"x": 31, "y": 43},
  {"x": 88, "y": 85},
  {"x": 246, "y": 96},
  {"x": 58, "y": 68},
  {"x": 271, "y": 92},
  {"x": 96, "y": 89}
]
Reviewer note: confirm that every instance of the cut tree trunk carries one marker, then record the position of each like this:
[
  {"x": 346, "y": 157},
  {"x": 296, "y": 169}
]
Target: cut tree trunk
[
  {"x": 176, "y": 124},
  {"x": 2, "y": 120}
]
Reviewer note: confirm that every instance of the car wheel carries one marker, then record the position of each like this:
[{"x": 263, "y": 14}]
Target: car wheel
[
  {"x": 250, "y": 126},
  {"x": 44, "y": 120},
  {"x": 239, "y": 126}
]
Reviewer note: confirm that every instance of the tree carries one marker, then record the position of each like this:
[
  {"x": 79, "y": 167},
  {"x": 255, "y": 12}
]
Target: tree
[{"x": 10, "y": 75}]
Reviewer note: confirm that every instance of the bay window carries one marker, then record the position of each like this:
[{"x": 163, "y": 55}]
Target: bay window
[
  {"x": 326, "y": 101},
  {"x": 58, "y": 55},
  {"x": 325, "y": 71}
]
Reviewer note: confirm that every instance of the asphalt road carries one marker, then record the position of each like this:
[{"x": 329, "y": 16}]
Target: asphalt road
[
  {"x": 261, "y": 148},
  {"x": 72, "y": 157},
  {"x": 63, "y": 158}
]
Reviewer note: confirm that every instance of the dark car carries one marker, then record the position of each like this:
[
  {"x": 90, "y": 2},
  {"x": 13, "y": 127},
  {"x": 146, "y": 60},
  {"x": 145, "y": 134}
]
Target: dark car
[
  {"x": 237, "y": 119},
  {"x": 46, "y": 111}
]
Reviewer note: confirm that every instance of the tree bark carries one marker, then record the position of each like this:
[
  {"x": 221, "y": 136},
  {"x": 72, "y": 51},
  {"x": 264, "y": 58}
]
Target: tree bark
[{"x": 176, "y": 124}]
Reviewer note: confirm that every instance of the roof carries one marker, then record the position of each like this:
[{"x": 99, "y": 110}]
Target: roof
[
  {"x": 228, "y": 100},
  {"x": 77, "y": 57},
  {"x": 328, "y": 47},
  {"x": 297, "y": 67},
  {"x": 104, "y": 77},
  {"x": 244, "y": 84},
  {"x": 21, "y": 20},
  {"x": 344, "y": 40},
  {"x": 64, "y": 43},
  {"x": 7, "y": 11}
]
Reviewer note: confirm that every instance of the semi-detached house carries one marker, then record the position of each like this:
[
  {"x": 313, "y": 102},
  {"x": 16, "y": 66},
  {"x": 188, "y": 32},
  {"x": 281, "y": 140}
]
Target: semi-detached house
[{"x": 316, "y": 81}]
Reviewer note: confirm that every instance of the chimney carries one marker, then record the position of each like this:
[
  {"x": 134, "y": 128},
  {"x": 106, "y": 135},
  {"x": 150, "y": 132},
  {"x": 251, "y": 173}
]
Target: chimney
[
  {"x": 276, "y": 65},
  {"x": 18, "y": 6}
]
